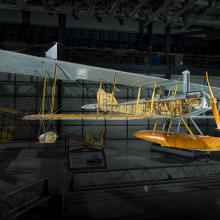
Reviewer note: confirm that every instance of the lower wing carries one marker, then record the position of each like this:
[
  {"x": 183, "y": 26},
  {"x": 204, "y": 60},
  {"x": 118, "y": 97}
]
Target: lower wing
[{"x": 85, "y": 117}]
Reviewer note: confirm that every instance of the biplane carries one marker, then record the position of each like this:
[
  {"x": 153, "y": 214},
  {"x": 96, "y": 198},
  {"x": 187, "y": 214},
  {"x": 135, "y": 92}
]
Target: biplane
[{"x": 168, "y": 107}]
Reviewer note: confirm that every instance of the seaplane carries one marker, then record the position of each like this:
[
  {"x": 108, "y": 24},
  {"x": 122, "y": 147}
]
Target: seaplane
[{"x": 166, "y": 102}]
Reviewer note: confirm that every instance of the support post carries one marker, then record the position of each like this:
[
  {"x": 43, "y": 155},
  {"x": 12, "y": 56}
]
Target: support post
[
  {"x": 25, "y": 21},
  {"x": 61, "y": 28},
  {"x": 198, "y": 129},
  {"x": 141, "y": 31},
  {"x": 60, "y": 39},
  {"x": 178, "y": 126},
  {"x": 71, "y": 184},
  {"x": 168, "y": 58},
  {"x": 46, "y": 188},
  {"x": 164, "y": 125},
  {"x": 150, "y": 43}
]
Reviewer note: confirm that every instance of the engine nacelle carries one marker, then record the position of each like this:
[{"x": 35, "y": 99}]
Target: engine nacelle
[{"x": 49, "y": 137}]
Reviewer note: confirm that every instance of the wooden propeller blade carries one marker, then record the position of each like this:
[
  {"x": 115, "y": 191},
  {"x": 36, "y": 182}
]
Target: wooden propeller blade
[{"x": 213, "y": 103}]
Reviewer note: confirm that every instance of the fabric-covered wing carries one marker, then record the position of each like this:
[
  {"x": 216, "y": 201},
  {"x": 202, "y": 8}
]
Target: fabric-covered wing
[{"x": 18, "y": 63}]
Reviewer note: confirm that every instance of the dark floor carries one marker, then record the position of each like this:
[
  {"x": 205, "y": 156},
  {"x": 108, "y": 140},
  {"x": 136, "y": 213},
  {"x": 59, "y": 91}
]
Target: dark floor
[
  {"x": 188, "y": 200},
  {"x": 176, "y": 201}
]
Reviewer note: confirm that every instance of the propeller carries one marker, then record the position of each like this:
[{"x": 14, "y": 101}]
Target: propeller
[{"x": 213, "y": 103}]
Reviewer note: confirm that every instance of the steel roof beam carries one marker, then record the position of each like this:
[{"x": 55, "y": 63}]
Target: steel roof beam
[
  {"x": 158, "y": 11},
  {"x": 209, "y": 22},
  {"x": 91, "y": 6},
  {"x": 214, "y": 6},
  {"x": 187, "y": 6},
  {"x": 138, "y": 7},
  {"x": 114, "y": 6}
]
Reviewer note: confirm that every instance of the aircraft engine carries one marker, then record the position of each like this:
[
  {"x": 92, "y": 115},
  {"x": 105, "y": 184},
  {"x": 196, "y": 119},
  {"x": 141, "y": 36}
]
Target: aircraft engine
[{"x": 48, "y": 137}]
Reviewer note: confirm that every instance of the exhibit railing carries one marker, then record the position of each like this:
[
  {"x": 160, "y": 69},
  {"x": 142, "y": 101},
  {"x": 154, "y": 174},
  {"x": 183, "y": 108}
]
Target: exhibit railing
[
  {"x": 18, "y": 202},
  {"x": 83, "y": 180}
]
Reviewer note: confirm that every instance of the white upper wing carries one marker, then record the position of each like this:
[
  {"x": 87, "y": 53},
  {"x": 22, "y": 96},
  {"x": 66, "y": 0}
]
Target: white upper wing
[{"x": 18, "y": 63}]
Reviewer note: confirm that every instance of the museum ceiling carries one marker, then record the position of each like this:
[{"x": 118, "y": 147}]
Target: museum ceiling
[{"x": 182, "y": 14}]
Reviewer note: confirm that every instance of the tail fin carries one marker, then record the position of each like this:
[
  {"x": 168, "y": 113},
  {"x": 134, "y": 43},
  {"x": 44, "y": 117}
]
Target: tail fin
[
  {"x": 105, "y": 100},
  {"x": 213, "y": 103}
]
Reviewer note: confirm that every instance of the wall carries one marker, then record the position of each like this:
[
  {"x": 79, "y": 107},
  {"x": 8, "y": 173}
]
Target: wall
[{"x": 43, "y": 18}]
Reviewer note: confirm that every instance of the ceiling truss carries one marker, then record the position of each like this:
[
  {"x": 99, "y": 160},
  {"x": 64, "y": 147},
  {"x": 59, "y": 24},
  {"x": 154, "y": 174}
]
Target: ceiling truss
[{"x": 182, "y": 14}]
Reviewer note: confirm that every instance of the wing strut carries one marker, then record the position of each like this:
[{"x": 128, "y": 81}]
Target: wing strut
[
  {"x": 174, "y": 96},
  {"x": 44, "y": 94},
  {"x": 170, "y": 125},
  {"x": 175, "y": 91},
  {"x": 153, "y": 96},
  {"x": 187, "y": 127},
  {"x": 113, "y": 93},
  {"x": 155, "y": 125},
  {"x": 98, "y": 98},
  {"x": 54, "y": 88},
  {"x": 138, "y": 99}
]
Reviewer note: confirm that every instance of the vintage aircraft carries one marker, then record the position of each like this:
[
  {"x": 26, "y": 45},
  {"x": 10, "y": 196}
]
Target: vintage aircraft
[{"x": 172, "y": 107}]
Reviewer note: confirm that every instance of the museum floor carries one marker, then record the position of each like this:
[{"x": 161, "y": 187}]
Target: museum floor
[{"x": 23, "y": 163}]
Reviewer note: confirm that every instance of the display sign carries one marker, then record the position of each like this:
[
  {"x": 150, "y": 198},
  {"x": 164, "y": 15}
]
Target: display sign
[{"x": 86, "y": 158}]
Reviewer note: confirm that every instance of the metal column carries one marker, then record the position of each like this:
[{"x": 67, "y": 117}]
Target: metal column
[
  {"x": 25, "y": 21},
  {"x": 168, "y": 58},
  {"x": 60, "y": 39},
  {"x": 150, "y": 43},
  {"x": 141, "y": 31}
]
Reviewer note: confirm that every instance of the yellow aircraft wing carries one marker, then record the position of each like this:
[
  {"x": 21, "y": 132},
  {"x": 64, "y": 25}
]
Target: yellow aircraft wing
[{"x": 52, "y": 116}]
